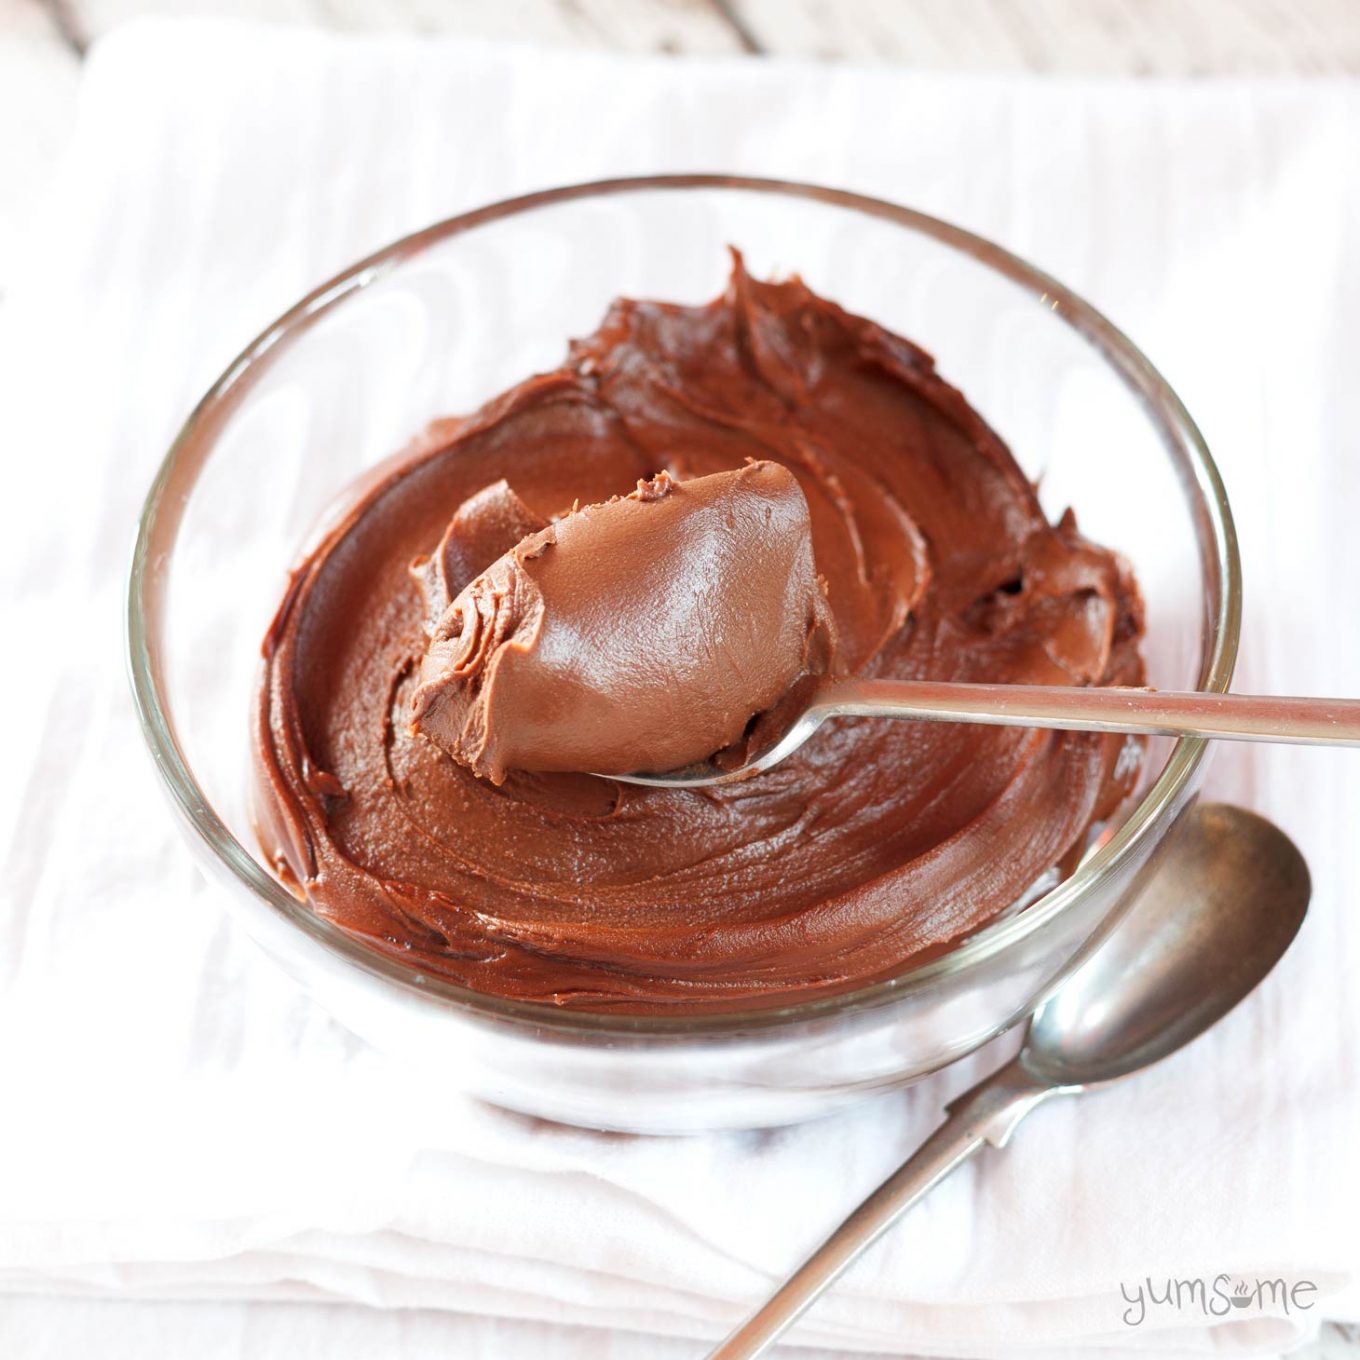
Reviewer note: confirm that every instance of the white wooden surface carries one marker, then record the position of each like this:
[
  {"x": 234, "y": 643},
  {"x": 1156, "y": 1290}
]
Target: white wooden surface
[
  {"x": 42, "y": 43},
  {"x": 1096, "y": 37},
  {"x": 1136, "y": 37}
]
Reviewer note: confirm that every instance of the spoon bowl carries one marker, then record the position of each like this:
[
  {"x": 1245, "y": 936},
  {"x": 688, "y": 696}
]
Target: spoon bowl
[{"x": 1223, "y": 906}]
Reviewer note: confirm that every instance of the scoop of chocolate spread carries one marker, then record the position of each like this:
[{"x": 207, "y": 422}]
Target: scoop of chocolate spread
[
  {"x": 463, "y": 591},
  {"x": 643, "y": 634}
]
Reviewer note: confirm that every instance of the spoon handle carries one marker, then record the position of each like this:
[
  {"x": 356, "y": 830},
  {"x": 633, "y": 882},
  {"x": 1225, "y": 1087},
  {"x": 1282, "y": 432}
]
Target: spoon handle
[
  {"x": 1231, "y": 717},
  {"x": 988, "y": 1113}
]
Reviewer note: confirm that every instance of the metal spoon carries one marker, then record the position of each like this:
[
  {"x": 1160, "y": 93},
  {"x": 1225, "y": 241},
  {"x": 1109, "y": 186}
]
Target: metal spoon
[
  {"x": 1231, "y": 717},
  {"x": 1212, "y": 921}
]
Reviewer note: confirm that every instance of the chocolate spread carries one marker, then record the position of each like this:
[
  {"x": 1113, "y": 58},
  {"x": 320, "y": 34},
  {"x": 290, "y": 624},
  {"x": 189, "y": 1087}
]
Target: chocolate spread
[
  {"x": 640, "y": 635},
  {"x": 772, "y": 487}
]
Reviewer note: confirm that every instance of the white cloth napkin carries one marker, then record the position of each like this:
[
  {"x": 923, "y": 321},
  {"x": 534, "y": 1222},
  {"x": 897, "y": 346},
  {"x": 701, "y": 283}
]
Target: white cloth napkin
[{"x": 178, "y": 1123}]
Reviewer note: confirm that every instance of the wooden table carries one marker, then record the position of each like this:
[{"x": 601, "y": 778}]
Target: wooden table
[{"x": 42, "y": 43}]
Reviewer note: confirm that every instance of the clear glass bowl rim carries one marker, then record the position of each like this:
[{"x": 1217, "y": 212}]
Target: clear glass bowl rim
[{"x": 161, "y": 517}]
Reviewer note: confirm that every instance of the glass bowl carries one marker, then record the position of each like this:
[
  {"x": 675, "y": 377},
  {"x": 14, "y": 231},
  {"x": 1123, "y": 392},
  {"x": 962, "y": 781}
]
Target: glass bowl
[{"x": 438, "y": 322}]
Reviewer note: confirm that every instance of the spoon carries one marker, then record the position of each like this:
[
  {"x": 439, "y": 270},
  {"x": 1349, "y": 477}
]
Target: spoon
[
  {"x": 1231, "y": 717},
  {"x": 1211, "y": 922}
]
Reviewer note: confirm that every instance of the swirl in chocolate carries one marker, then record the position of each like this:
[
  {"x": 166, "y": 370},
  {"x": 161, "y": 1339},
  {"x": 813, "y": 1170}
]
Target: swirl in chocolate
[{"x": 460, "y": 591}]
